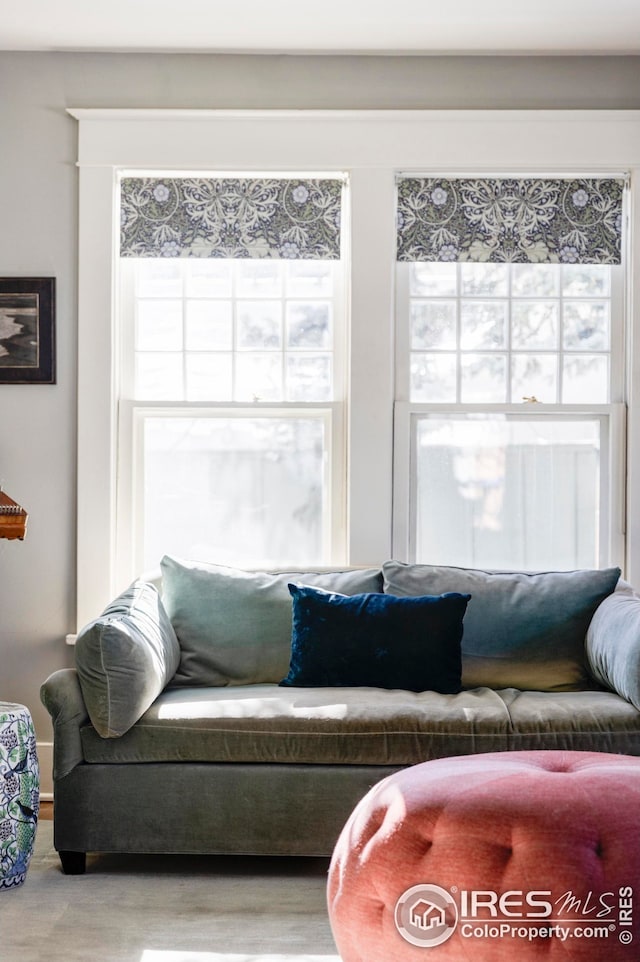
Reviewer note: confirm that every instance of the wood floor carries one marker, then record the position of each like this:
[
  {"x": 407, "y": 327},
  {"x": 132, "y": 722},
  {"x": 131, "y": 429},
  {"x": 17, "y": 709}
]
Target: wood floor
[{"x": 46, "y": 811}]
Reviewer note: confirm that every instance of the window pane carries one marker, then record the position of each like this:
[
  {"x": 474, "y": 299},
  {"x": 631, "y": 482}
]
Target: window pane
[
  {"x": 209, "y": 377},
  {"x": 159, "y": 377},
  {"x": 259, "y": 278},
  {"x": 209, "y": 325},
  {"x": 249, "y": 491},
  {"x": 258, "y": 377},
  {"x": 308, "y": 377},
  {"x": 208, "y": 277},
  {"x": 534, "y": 375},
  {"x": 585, "y": 326},
  {"x": 309, "y": 279},
  {"x": 586, "y": 280},
  {"x": 308, "y": 324},
  {"x": 433, "y": 325},
  {"x": 585, "y": 380},
  {"x": 158, "y": 277},
  {"x": 534, "y": 324},
  {"x": 484, "y": 378},
  {"x": 159, "y": 326},
  {"x": 259, "y": 325},
  {"x": 433, "y": 378},
  {"x": 493, "y": 492},
  {"x": 432, "y": 280},
  {"x": 483, "y": 324},
  {"x": 534, "y": 280},
  {"x": 484, "y": 279}
]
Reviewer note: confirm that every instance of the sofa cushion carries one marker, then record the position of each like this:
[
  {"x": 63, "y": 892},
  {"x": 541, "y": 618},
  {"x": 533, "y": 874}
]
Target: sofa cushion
[
  {"x": 364, "y": 726},
  {"x": 234, "y": 626},
  {"x": 522, "y": 629},
  {"x": 613, "y": 644},
  {"x": 125, "y": 658},
  {"x": 376, "y": 640}
]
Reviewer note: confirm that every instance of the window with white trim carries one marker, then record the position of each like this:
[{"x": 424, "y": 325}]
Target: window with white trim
[
  {"x": 370, "y": 450},
  {"x": 509, "y": 372},
  {"x": 231, "y": 387}
]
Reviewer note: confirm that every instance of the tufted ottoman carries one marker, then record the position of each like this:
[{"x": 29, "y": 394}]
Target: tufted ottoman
[
  {"x": 512, "y": 855},
  {"x": 19, "y": 793}
]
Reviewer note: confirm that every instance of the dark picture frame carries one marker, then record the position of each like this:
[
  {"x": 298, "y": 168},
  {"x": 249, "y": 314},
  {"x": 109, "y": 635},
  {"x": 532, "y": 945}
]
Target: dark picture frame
[{"x": 27, "y": 330}]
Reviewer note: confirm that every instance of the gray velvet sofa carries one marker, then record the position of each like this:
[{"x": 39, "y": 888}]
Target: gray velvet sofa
[{"x": 174, "y": 734}]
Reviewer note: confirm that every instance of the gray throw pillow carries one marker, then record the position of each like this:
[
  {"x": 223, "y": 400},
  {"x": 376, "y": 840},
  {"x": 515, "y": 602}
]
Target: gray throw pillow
[
  {"x": 125, "y": 658},
  {"x": 234, "y": 626},
  {"x": 522, "y": 630}
]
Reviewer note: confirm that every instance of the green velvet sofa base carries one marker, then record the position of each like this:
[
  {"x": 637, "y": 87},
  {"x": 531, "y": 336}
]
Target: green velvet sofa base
[{"x": 186, "y": 807}]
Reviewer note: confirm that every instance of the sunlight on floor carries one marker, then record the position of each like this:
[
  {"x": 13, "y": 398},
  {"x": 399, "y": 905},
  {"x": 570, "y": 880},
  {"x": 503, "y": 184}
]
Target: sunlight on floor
[{"x": 160, "y": 955}]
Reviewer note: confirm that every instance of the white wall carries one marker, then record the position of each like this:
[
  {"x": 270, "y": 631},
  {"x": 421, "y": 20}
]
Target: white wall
[{"x": 38, "y": 236}]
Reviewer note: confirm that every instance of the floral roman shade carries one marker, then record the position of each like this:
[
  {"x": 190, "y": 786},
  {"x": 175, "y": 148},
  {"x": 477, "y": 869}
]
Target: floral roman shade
[
  {"x": 528, "y": 220},
  {"x": 230, "y": 217}
]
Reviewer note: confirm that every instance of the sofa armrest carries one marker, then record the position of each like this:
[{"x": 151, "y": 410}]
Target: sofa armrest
[
  {"x": 62, "y": 697},
  {"x": 613, "y": 643}
]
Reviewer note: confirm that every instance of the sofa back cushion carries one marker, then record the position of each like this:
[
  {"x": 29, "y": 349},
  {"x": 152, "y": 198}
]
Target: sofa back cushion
[
  {"x": 125, "y": 658},
  {"x": 522, "y": 630},
  {"x": 234, "y": 626}
]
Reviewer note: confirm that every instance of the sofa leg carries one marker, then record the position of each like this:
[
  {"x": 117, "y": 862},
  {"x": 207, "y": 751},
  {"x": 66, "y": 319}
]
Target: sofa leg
[{"x": 73, "y": 863}]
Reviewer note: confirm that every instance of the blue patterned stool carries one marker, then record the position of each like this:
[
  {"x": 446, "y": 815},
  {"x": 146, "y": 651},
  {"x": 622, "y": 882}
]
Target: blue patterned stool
[{"x": 19, "y": 793}]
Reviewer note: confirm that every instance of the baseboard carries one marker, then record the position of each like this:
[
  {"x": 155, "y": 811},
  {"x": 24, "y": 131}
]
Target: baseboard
[{"x": 45, "y": 761}]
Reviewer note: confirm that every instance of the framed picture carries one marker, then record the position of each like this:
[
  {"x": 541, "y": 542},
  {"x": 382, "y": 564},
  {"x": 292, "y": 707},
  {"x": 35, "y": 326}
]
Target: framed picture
[{"x": 27, "y": 330}]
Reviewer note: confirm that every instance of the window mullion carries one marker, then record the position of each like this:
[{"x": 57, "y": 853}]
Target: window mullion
[
  {"x": 560, "y": 339},
  {"x": 508, "y": 339},
  {"x": 234, "y": 330},
  {"x": 403, "y": 332},
  {"x": 125, "y": 334},
  {"x": 183, "y": 300},
  {"x": 458, "y": 334},
  {"x": 617, "y": 378}
]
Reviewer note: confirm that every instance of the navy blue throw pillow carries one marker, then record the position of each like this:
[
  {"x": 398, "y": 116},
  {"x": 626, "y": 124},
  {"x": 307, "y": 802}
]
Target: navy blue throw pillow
[{"x": 376, "y": 640}]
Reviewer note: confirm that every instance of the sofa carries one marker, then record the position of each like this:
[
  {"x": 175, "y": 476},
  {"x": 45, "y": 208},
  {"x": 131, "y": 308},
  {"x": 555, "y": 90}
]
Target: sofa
[{"x": 216, "y": 710}]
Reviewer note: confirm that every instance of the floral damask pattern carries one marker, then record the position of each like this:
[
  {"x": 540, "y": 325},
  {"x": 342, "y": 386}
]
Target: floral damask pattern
[
  {"x": 224, "y": 217},
  {"x": 19, "y": 793},
  {"x": 535, "y": 221}
]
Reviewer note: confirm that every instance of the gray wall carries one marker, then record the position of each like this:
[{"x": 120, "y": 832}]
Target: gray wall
[{"x": 38, "y": 236}]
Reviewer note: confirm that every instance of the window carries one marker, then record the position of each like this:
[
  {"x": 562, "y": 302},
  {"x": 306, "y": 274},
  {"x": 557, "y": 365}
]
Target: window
[
  {"x": 231, "y": 394},
  {"x": 448, "y": 368},
  {"x": 511, "y": 373}
]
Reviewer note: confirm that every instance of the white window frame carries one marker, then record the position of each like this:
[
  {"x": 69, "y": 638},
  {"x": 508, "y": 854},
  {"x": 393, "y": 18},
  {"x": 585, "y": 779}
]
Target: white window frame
[{"x": 373, "y": 147}]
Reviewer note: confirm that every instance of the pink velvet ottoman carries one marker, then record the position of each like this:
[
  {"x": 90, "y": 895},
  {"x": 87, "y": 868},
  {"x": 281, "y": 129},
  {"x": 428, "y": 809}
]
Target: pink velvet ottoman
[{"x": 513, "y": 855}]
